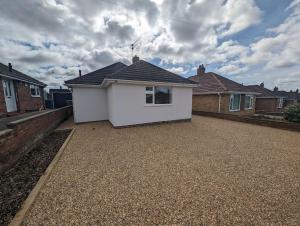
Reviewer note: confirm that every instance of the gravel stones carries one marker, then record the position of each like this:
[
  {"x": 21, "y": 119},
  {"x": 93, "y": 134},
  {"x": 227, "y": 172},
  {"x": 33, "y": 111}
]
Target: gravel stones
[{"x": 205, "y": 172}]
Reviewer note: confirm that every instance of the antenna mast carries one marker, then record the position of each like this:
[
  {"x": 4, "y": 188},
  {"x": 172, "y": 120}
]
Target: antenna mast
[{"x": 133, "y": 46}]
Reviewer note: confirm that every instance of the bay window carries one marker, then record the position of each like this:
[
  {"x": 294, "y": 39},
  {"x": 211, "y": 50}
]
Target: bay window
[
  {"x": 235, "y": 101},
  {"x": 249, "y": 102},
  {"x": 158, "y": 95}
]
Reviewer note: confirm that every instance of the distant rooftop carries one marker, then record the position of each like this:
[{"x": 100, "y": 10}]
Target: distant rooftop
[
  {"x": 264, "y": 92},
  {"x": 5, "y": 70},
  {"x": 213, "y": 83}
]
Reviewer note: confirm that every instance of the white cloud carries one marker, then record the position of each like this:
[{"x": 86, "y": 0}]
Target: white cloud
[{"x": 90, "y": 34}]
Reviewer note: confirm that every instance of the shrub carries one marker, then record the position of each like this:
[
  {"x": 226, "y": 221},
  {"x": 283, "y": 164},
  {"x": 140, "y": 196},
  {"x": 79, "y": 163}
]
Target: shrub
[{"x": 292, "y": 113}]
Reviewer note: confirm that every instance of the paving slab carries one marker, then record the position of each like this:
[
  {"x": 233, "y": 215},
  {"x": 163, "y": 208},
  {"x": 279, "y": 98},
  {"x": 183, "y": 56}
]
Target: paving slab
[{"x": 204, "y": 172}]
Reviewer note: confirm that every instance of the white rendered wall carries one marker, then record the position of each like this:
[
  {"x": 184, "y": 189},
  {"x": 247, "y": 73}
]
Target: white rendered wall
[
  {"x": 89, "y": 104},
  {"x": 127, "y": 105},
  {"x": 110, "y": 102}
]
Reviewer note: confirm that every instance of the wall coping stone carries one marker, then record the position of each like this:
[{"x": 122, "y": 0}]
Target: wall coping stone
[
  {"x": 293, "y": 126},
  {"x": 5, "y": 133},
  {"x": 20, "y": 121}
]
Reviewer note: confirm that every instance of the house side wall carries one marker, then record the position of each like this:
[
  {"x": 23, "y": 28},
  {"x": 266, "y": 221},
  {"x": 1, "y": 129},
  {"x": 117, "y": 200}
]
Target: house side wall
[
  {"x": 89, "y": 104},
  {"x": 2, "y": 99},
  {"x": 25, "y": 101},
  {"x": 210, "y": 103},
  {"x": 129, "y": 108},
  {"x": 110, "y": 104},
  {"x": 264, "y": 105},
  {"x": 242, "y": 111}
]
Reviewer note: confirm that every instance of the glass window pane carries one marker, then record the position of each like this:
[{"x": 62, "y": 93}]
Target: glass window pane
[
  {"x": 235, "y": 102},
  {"x": 32, "y": 90},
  {"x": 247, "y": 101},
  {"x": 5, "y": 88},
  {"x": 162, "y": 95},
  {"x": 9, "y": 88},
  {"x": 149, "y": 98},
  {"x": 37, "y": 90}
]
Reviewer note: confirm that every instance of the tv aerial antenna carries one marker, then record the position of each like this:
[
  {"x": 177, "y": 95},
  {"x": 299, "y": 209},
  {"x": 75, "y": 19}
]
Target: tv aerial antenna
[{"x": 133, "y": 46}]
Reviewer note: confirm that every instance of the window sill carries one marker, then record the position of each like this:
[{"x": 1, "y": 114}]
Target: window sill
[
  {"x": 157, "y": 105},
  {"x": 35, "y": 96},
  {"x": 234, "y": 110},
  {"x": 248, "y": 108}
]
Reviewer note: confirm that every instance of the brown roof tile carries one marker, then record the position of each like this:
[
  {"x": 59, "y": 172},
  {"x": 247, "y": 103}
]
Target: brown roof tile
[
  {"x": 214, "y": 83},
  {"x": 264, "y": 92}
]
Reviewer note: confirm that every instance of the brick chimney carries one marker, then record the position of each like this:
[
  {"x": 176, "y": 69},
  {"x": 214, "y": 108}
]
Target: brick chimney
[
  {"x": 275, "y": 88},
  {"x": 262, "y": 85},
  {"x": 79, "y": 73},
  {"x": 297, "y": 90},
  {"x": 201, "y": 70},
  {"x": 135, "y": 59},
  {"x": 10, "y": 67}
]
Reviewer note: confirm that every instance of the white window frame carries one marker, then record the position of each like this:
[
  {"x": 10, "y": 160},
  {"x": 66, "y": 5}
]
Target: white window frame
[
  {"x": 231, "y": 98},
  {"x": 153, "y": 96},
  {"x": 280, "y": 102},
  {"x": 251, "y": 102},
  {"x": 7, "y": 89},
  {"x": 37, "y": 90}
]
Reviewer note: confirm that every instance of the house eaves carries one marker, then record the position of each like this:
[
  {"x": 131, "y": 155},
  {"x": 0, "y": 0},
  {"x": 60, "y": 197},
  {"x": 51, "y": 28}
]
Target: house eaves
[
  {"x": 107, "y": 82},
  {"x": 22, "y": 80},
  {"x": 226, "y": 92}
]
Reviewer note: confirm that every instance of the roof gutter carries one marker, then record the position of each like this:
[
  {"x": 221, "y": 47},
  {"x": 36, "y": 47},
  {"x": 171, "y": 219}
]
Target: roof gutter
[
  {"x": 107, "y": 82},
  {"x": 22, "y": 80},
  {"x": 227, "y": 92},
  {"x": 267, "y": 97},
  {"x": 82, "y": 85}
]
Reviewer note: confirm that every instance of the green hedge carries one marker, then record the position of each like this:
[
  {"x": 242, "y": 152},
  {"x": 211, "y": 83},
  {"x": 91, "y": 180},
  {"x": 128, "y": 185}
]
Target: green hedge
[{"x": 292, "y": 113}]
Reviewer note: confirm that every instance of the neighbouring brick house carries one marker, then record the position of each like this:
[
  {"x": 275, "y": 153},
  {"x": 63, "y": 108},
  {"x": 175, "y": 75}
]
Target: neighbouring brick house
[
  {"x": 266, "y": 101},
  {"x": 19, "y": 92},
  {"x": 286, "y": 98},
  {"x": 218, "y": 94}
]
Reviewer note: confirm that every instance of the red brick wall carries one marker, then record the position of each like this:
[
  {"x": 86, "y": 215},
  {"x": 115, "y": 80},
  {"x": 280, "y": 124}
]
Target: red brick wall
[
  {"x": 25, "y": 101},
  {"x": 242, "y": 111},
  {"x": 293, "y": 126},
  {"x": 2, "y": 99},
  {"x": 264, "y": 105},
  {"x": 23, "y": 135},
  {"x": 210, "y": 103}
]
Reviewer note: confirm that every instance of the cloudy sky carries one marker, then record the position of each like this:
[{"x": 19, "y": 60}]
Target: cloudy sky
[{"x": 245, "y": 40}]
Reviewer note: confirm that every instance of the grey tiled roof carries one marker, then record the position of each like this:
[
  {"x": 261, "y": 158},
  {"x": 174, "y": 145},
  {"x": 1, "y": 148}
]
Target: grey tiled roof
[
  {"x": 139, "y": 71},
  {"x": 96, "y": 77},
  {"x": 144, "y": 71},
  {"x": 287, "y": 95},
  {"x": 4, "y": 69}
]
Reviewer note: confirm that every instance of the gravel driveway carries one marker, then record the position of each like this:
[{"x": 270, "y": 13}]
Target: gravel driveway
[{"x": 208, "y": 171}]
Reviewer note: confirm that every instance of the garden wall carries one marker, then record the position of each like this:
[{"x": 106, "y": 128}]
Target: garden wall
[
  {"x": 23, "y": 134},
  {"x": 247, "y": 119}
]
